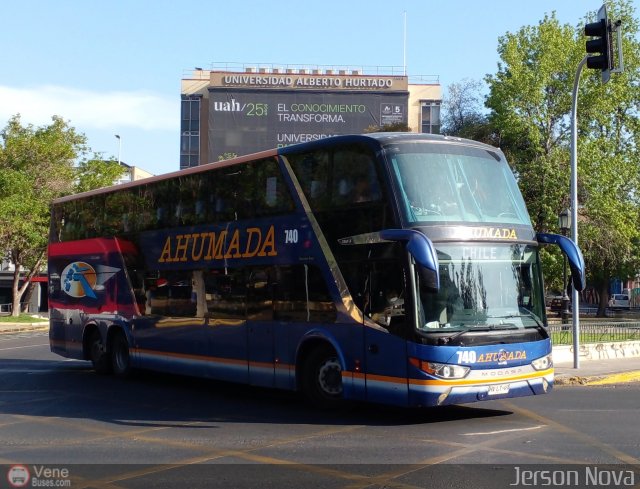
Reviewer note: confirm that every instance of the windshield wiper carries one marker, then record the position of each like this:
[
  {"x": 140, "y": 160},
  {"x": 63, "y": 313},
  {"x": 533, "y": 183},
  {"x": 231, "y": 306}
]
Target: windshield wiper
[
  {"x": 538, "y": 323},
  {"x": 521, "y": 315},
  {"x": 489, "y": 327}
]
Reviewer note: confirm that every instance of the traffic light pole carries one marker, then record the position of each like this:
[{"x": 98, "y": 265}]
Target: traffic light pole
[
  {"x": 601, "y": 46},
  {"x": 574, "y": 208}
]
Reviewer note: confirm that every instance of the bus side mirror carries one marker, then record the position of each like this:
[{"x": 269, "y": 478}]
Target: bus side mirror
[
  {"x": 422, "y": 250},
  {"x": 573, "y": 253}
]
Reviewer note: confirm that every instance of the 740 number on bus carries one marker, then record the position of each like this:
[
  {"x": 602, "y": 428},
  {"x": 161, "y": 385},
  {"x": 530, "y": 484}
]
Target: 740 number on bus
[{"x": 290, "y": 236}]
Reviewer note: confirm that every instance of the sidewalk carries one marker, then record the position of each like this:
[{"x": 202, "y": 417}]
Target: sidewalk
[
  {"x": 598, "y": 372},
  {"x": 18, "y": 327}
]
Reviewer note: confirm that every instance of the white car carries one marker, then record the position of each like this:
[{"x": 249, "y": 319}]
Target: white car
[{"x": 619, "y": 301}]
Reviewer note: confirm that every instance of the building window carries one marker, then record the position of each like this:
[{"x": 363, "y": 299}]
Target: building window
[
  {"x": 190, "y": 131},
  {"x": 430, "y": 117}
]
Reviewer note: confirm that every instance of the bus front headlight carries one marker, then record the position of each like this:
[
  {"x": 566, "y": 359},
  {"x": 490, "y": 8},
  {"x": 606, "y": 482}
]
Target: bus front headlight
[
  {"x": 543, "y": 363},
  {"x": 442, "y": 370}
]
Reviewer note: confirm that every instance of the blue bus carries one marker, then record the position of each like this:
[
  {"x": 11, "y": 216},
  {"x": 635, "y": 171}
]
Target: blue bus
[{"x": 393, "y": 268}]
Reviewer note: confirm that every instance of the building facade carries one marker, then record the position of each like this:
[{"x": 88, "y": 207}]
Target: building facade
[
  {"x": 228, "y": 111},
  {"x": 131, "y": 174}
]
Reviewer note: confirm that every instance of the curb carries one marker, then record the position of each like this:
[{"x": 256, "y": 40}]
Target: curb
[
  {"x": 633, "y": 376},
  {"x": 7, "y": 328},
  {"x": 608, "y": 379}
]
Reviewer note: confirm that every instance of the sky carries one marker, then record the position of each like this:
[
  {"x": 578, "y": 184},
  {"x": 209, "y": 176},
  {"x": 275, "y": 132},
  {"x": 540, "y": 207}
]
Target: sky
[{"x": 115, "y": 67}]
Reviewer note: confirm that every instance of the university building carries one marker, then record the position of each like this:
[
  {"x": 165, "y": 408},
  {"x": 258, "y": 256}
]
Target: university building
[{"x": 239, "y": 109}]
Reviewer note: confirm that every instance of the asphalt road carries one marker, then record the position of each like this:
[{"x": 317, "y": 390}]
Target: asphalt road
[{"x": 157, "y": 430}]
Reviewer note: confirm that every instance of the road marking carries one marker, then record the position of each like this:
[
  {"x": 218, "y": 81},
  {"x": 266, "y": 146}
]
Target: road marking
[
  {"x": 356, "y": 480},
  {"x": 556, "y": 459},
  {"x": 144, "y": 435},
  {"x": 26, "y": 346},
  {"x": 249, "y": 455},
  {"x": 387, "y": 479},
  {"x": 589, "y": 440},
  {"x": 503, "y": 431}
]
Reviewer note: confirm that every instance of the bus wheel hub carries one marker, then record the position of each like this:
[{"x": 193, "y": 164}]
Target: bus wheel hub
[{"x": 330, "y": 376}]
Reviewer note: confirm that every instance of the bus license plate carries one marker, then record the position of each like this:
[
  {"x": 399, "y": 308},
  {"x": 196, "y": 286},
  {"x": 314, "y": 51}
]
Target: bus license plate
[{"x": 498, "y": 389}]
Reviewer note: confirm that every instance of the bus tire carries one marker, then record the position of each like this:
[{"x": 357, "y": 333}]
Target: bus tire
[
  {"x": 322, "y": 378},
  {"x": 98, "y": 353},
  {"x": 120, "y": 359}
]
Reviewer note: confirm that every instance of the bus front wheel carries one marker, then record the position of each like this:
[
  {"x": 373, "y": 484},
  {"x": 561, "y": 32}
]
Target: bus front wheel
[
  {"x": 120, "y": 359},
  {"x": 322, "y": 381}
]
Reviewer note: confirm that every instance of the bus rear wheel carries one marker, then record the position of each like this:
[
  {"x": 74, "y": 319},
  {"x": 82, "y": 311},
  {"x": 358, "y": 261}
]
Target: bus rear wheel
[
  {"x": 322, "y": 378},
  {"x": 98, "y": 353},
  {"x": 120, "y": 359}
]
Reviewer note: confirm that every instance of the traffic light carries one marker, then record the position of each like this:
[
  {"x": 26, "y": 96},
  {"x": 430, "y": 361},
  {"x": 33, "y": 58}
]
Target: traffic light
[{"x": 601, "y": 45}]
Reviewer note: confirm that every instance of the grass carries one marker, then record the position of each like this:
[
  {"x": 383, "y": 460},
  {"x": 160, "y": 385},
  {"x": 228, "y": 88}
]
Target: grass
[{"x": 22, "y": 318}]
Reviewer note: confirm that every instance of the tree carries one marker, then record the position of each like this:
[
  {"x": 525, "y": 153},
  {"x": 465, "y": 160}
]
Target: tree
[
  {"x": 227, "y": 156},
  {"x": 97, "y": 173},
  {"x": 530, "y": 102},
  {"x": 608, "y": 154},
  {"x": 36, "y": 166},
  {"x": 530, "y": 99},
  {"x": 463, "y": 115},
  {"x": 391, "y": 127}
]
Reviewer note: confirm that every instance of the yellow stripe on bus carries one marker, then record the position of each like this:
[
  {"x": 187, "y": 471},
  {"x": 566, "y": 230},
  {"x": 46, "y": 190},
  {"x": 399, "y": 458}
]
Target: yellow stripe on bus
[
  {"x": 492, "y": 380},
  {"x": 203, "y": 358}
]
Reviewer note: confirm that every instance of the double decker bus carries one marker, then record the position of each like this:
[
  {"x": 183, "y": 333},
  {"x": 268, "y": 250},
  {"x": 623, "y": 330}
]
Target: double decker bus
[{"x": 393, "y": 268}]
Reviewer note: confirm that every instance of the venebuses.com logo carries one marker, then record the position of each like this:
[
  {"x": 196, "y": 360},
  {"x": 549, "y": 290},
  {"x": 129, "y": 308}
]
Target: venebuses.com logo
[
  {"x": 38, "y": 476},
  {"x": 18, "y": 476}
]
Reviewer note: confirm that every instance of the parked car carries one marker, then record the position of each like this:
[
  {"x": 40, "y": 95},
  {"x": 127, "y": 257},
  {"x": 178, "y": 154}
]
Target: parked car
[
  {"x": 555, "y": 303},
  {"x": 619, "y": 301}
]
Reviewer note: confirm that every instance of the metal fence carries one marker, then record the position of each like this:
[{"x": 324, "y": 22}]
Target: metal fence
[{"x": 596, "y": 332}]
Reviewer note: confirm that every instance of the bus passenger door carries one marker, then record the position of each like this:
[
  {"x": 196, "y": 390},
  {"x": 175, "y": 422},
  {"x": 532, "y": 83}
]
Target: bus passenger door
[
  {"x": 384, "y": 334},
  {"x": 386, "y": 367}
]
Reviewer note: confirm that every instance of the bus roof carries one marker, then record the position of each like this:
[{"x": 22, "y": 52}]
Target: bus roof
[
  {"x": 378, "y": 139},
  {"x": 169, "y": 176},
  {"x": 382, "y": 139}
]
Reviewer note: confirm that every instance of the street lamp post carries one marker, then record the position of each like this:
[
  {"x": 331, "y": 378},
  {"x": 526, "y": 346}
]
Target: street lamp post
[
  {"x": 564, "y": 223},
  {"x": 119, "y": 146}
]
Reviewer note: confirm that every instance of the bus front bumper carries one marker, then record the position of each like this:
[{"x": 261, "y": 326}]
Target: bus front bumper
[{"x": 437, "y": 392}]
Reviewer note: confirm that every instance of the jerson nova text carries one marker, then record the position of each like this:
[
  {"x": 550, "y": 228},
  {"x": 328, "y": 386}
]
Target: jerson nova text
[{"x": 579, "y": 477}]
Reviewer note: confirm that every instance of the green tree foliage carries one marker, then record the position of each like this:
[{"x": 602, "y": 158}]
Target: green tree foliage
[
  {"x": 463, "y": 116},
  {"x": 227, "y": 156},
  {"x": 608, "y": 155},
  {"x": 530, "y": 102},
  {"x": 530, "y": 99},
  {"x": 97, "y": 173},
  {"x": 392, "y": 127},
  {"x": 36, "y": 166}
]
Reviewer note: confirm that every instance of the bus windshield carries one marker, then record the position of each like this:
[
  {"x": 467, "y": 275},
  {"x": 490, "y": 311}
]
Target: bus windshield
[
  {"x": 456, "y": 183},
  {"x": 483, "y": 286}
]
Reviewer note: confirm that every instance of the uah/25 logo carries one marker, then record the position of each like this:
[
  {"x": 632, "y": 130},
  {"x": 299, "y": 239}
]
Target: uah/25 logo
[{"x": 79, "y": 279}]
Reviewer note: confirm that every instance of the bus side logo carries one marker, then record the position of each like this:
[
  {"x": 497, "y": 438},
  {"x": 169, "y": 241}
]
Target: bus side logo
[{"x": 79, "y": 279}]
